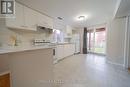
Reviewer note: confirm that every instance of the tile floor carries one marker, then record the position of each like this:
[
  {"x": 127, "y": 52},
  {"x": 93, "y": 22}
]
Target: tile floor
[{"x": 89, "y": 71}]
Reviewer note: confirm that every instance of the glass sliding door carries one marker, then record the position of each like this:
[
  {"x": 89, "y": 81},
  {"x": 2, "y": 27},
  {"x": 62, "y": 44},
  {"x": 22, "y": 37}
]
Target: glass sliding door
[
  {"x": 90, "y": 42},
  {"x": 100, "y": 41},
  {"x": 96, "y": 40}
]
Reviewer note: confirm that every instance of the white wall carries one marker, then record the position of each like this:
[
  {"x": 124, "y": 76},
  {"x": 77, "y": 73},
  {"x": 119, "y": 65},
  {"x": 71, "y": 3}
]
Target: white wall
[
  {"x": 97, "y": 26},
  {"x": 116, "y": 41}
]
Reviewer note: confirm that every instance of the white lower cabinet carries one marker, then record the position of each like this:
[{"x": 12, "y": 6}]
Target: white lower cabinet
[
  {"x": 65, "y": 50},
  {"x": 60, "y": 50}
]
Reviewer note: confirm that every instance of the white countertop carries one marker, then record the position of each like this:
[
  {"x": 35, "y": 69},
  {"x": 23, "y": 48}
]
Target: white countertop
[
  {"x": 9, "y": 49},
  {"x": 21, "y": 49}
]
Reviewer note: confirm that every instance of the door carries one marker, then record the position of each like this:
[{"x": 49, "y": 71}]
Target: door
[
  {"x": 90, "y": 42},
  {"x": 96, "y": 40},
  {"x": 100, "y": 41}
]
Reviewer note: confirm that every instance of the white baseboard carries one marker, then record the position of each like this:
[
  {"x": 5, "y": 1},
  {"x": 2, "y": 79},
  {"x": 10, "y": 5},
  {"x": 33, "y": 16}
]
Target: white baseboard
[{"x": 117, "y": 64}]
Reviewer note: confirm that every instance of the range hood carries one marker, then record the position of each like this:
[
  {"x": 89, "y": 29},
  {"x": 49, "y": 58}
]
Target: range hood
[
  {"x": 42, "y": 27},
  {"x": 45, "y": 29}
]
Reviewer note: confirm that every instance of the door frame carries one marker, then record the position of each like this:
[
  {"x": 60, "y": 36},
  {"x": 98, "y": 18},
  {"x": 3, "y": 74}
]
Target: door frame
[
  {"x": 94, "y": 31},
  {"x": 127, "y": 44}
]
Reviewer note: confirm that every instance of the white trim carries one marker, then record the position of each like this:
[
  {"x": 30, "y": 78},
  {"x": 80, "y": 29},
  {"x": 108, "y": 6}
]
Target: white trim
[
  {"x": 128, "y": 51},
  {"x": 114, "y": 63},
  {"x": 126, "y": 41}
]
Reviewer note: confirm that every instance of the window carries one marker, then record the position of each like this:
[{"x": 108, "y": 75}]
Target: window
[{"x": 58, "y": 36}]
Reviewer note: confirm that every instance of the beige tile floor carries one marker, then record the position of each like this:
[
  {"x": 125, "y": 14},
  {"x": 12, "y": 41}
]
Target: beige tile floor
[{"x": 89, "y": 71}]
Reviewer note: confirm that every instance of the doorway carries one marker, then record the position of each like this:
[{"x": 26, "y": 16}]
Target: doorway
[{"x": 96, "y": 41}]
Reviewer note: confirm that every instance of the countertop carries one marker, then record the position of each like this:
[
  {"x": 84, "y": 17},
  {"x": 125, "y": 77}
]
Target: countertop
[
  {"x": 64, "y": 43},
  {"x": 21, "y": 49},
  {"x": 28, "y": 48},
  {"x": 61, "y": 43}
]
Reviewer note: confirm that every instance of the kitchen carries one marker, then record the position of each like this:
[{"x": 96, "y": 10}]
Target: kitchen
[
  {"x": 46, "y": 43},
  {"x": 38, "y": 34}
]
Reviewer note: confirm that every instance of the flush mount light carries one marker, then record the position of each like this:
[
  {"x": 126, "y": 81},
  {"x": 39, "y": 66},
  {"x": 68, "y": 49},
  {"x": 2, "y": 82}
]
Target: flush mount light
[
  {"x": 60, "y": 18},
  {"x": 81, "y": 18}
]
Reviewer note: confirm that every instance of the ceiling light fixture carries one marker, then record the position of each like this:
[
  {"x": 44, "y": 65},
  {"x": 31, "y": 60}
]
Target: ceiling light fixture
[
  {"x": 80, "y": 18},
  {"x": 60, "y": 18}
]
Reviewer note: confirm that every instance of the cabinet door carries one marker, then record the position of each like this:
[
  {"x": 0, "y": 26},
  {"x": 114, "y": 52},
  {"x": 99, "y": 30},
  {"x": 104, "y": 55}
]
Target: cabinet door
[
  {"x": 18, "y": 21},
  {"x": 66, "y": 50},
  {"x": 49, "y": 22},
  {"x": 5, "y": 80},
  {"x": 41, "y": 20},
  {"x": 30, "y": 18},
  {"x": 60, "y": 54},
  {"x": 68, "y": 32},
  {"x": 72, "y": 49},
  {"x": 45, "y": 21}
]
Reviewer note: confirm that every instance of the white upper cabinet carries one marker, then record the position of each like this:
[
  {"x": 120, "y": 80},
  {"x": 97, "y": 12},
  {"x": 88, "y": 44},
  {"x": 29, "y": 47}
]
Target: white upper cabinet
[
  {"x": 44, "y": 21},
  {"x": 30, "y": 19},
  {"x": 41, "y": 20},
  {"x": 50, "y": 22},
  {"x": 25, "y": 18},
  {"x": 18, "y": 21},
  {"x": 68, "y": 32},
  {"x": 59, "y": 25}
]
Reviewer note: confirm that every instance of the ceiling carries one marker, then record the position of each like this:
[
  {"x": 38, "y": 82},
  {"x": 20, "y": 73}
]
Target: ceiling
[
  {"x": 98, "y": 11},
  {"x": 124, "y": 8}
]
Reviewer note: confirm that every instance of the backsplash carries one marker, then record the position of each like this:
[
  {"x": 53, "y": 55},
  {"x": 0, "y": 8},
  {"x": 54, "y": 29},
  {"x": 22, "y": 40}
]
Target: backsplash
[{"x": 23, "y": 38}]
